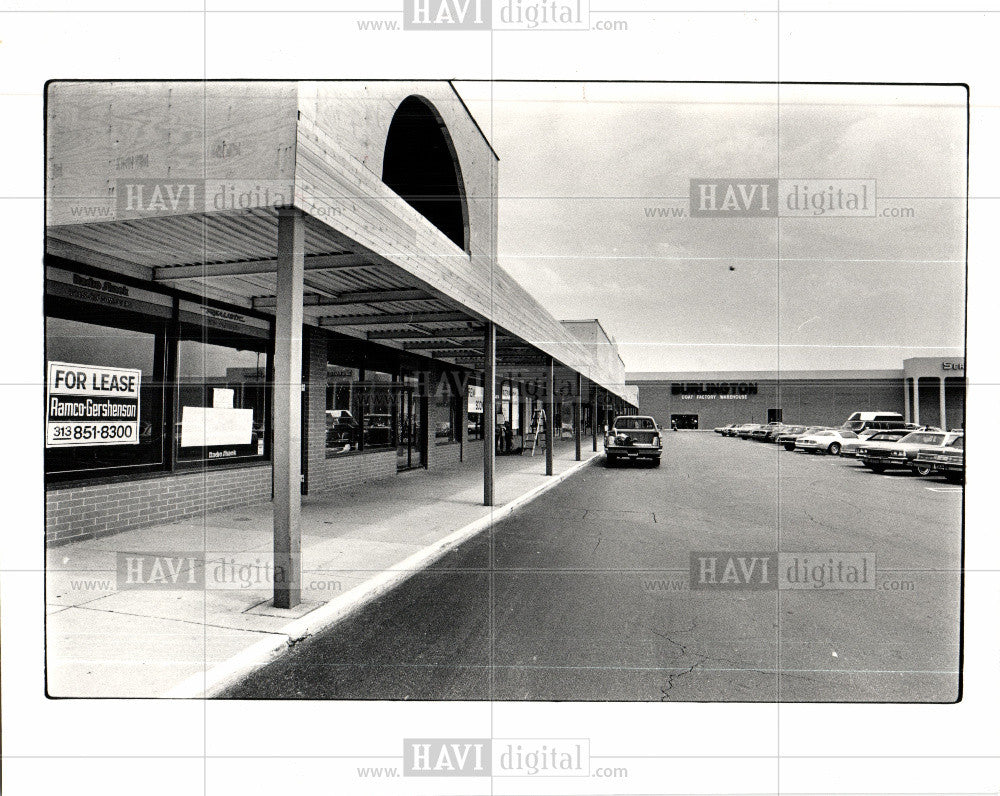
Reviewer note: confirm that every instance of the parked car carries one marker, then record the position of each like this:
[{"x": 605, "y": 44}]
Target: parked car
[
  {"x": 732, "y": 431},
  {"x": 633, "y": 437},
  {"x": 378, "y": 430},
  {"x": 850, "y": 447},
  {"x": 788, "y": 435},
  {"x": 760, "y": 432},
  {"x": 743, "y": 432},
  {"x": 880, "y": 421},
  {"x": 772, "y": 434},
  {"x": 948, "y": 460},
  {"x": 723, "y": 429},
  {"x": 902, "y": 454},
  {"x": 829, "y": 440},
  {"x": 342, "y": 430}
]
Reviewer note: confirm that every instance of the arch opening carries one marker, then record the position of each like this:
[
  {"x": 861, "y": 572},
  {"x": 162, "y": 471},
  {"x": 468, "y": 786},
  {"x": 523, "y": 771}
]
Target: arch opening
[{"x": 420, "y": 164}]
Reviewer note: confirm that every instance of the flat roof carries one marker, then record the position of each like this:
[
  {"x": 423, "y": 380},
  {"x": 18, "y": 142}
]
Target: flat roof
[{"x": 763, "y": 375}]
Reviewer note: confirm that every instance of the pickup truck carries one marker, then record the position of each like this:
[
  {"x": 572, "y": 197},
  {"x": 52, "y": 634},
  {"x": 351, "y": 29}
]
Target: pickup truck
[{"x": 633, "y": 437}]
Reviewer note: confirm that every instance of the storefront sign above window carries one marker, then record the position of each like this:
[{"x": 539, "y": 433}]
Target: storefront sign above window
[
  {"x": 227, "y": 320},
  {"x": 115, "y": 295},
  {"x": 711, "y": 390}
]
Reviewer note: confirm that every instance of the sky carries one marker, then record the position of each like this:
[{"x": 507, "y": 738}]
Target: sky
[{"x": 584, "y": 168}]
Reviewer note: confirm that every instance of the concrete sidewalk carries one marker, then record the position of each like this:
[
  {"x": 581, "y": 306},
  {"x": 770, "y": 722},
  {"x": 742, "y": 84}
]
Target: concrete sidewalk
[{"x": 103, "y": 641}]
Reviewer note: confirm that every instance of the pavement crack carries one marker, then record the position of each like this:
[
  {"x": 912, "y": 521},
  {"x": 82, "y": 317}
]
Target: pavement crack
[
  {"x": 681, "y": 670},
  {"x": 673, "y": 678}
]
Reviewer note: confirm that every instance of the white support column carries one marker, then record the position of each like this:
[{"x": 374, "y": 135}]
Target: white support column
[
  {"x": 906, "y": 401},
  {"x": 550, "y": 416},
  {"x": 916, "y": 400},
  {"x": 287, "y": 413},
  {"x": 944, "y": 417},
  {"x": 489, "y": 412},
  {"x": 578, "y": 415},
  {"x": 593, "y": 416}
]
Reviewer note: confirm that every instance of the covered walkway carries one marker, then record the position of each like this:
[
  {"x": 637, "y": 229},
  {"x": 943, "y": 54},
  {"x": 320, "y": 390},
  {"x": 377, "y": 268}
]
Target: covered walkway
[
  {"x": 105, "y": 640},
  {"x": 367, "y": 240}
]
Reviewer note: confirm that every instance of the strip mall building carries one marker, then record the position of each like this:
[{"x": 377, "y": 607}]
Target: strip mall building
[
  {"x": 263, "y": 290},
  {"x": 926, "y": 390}
]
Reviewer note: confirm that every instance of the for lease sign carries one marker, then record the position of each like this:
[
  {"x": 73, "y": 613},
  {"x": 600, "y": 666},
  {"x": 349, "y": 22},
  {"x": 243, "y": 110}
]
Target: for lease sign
[{"x": 91, "y": 405}]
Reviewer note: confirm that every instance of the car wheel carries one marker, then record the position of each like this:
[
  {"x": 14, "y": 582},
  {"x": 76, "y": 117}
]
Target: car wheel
[
  {"x": 612, "y": 460},
  {"x": 656, "y": 462},
  {"x": 790, "y": 447},
  {"x": 955, "y": 478},
  {"x": 834, "y": 449},
  {"x": 922, "y": 470}
]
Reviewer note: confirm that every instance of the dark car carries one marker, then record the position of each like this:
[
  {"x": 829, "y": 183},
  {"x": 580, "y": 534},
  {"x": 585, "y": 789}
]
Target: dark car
[
  {"x": 949, "y": 460},
  {"x": 786, "y": 437},
  {"x": 760, "y": 434},
  {"x": 902, "y": 454},
  {"x": 850, "y": 447},
  {"x": 633, "y": 437},
  {"x": 746, "y": 430},
  {"x": 342, "y": 430}
]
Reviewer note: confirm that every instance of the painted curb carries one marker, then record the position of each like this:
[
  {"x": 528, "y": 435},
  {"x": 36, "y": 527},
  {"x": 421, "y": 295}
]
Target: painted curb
[{"x": 214, "y": 681}]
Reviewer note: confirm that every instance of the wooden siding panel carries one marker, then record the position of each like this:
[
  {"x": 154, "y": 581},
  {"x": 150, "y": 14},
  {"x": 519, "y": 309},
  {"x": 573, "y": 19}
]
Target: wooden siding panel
[{"x": 344, "y": 194}]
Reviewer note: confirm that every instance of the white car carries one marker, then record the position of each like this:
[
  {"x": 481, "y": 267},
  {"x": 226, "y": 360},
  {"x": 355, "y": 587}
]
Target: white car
[{"x": 828, "y": 441}]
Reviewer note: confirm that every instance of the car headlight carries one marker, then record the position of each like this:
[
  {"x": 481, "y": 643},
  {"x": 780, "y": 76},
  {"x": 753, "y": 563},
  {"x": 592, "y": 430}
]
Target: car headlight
[{"x": 656, "y": 439}]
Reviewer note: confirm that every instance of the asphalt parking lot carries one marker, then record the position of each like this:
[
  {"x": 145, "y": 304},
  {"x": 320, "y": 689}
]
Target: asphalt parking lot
[{"x": 586, "y": 593}]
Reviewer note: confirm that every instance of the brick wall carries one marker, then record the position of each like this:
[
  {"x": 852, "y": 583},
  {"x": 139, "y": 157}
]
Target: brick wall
[
  {"x": 352, "y": 470},
  {"x": 438, "y": 412},
  {"x": 315, "y": 441},
  {"x": 819, "y": 402},
  {"x": 84, "y": 512}
]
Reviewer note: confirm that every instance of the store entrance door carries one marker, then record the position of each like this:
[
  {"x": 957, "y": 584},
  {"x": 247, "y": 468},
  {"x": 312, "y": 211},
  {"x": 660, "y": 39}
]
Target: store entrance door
[{"x": 684, "y": 421}]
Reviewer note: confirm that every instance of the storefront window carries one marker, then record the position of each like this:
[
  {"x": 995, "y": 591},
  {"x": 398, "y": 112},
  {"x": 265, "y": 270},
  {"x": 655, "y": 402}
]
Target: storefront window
[
  {"x": 343, "y": 433},
  {"x": 447, "y": 416},
  {"x": 222, "y": 410},
  {"x": 104, "y": 393},
  {"x": 377, "y": 405},
  {"x": 475, "y": 411},
  {"x": 408, "y": 449},
  {"x": 361, "y": 410}
]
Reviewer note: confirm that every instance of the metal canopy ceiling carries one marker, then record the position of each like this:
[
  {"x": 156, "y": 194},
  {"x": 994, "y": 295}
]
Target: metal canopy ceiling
[{"x": 230, "y": 256}]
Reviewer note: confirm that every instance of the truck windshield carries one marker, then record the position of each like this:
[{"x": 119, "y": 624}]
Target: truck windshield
[{"x": 635, "y": 424}]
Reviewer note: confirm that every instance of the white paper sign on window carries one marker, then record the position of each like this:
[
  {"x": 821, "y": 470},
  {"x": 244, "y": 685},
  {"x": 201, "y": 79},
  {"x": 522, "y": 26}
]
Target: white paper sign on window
[
  {"x": 475, "y": 399},
  {"x": 222, "y": 398},
  {"x": 203, "y": 427}
]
